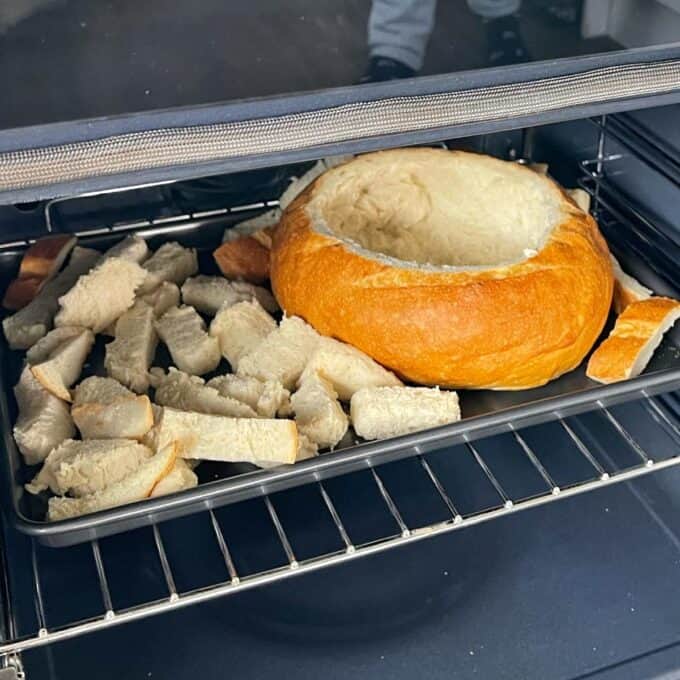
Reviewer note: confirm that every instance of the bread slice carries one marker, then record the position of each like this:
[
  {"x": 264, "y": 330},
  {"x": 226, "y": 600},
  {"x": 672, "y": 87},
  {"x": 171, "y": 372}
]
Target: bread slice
[
  {"x": 259, "y": 227},
  {"x": 318, "y": 413},
  {"x": 234, "y": 440},
  {"x": 637, "y": 333},
  {"x": 171, "y": 262},
  {"x": 190, "y": 393},
  {"x": 209, "y": 294},
  {"x": 381, "y": 412},
  {"x": 626, "y": 288},
  {"x": 43, "y": 422},
  {"x": 347, "y": 368},
  {"x": 128, "y": 358},
  {"x": 104, "y": 409},
  {"x": 63, "y": 365},
  {"x": 134, "y": 487},
  {"x": 240, "y": 328},
  {"x": 244, "y": 258},
  {"x": 84, "y": 467},
  {"x": 162, "y": 298},
  {"x": 283, "y": 354},
  {"x": 180, "y": 477},
  {"x": 267, "y": 398},
  {"x": 29, "y": 324},
  {"x": 132, "y": 248},
  {"x": 100, "y": 297},
  {"x": 193, "y": 350}
]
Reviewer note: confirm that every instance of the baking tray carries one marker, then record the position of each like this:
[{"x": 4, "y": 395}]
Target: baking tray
[{"x": 644, "y": 252}]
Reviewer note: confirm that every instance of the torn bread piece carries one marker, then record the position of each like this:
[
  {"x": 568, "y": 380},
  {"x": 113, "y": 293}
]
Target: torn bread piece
[
  {"x": 132, "y": 248},
  {"x": 267, "y": 398},
  {"x": 347, "y": 369},
  {"x": 44, "y": 421},
  {"x": 234, "y": 440},
  {"x": 626, "y": 288},
  {"x": 180, "y": 477},
  {"x": 48, "y": 343},
  {"x": 306, "y": 449},
  {"x": 283, "y": 354},
  {"x": 318, "y": 413},
  {"x": 259, "y": 227},
  {"x": 637, "y": 333},
  {"x": 244, "y": 258},
  {"x": 171, "y": 262},
  {"x": 134, "y": 487},
  {"x": 381, "y": 412},
  {"x": 100, "y": 297},
  {"x": 105, "y": 409},
  {"x": 208, "y": 294},
  {"x": 299, "y": 184},
  {"x": 128, "y": 358},
  {"x": 240, "y": 328},
  {"x": 190, "y": 393},
  {"x": 29, "y": 324},
  {"x": 62, "y": 367},
  {"x": 192, "y": 349},
  {"x": 162, "y": 298},
  {"x": 84, "y": 467}
]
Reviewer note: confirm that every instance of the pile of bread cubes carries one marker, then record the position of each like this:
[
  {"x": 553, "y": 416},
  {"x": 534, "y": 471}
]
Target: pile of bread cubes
[{"x": 290, "y": 392}]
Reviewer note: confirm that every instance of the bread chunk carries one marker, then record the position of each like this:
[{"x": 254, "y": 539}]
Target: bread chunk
[
  {"x": 171, "y": 262},
  {"x": 162, "y": 298},
  {"x": 267, "y": 398},
  {"x": 180, "y": 477},
  {"x": 210, "y": 293},
  {"x": 626, "y": 288},
  {"x": 132, "y": 248},
  {"x": 318, "y": 413}
]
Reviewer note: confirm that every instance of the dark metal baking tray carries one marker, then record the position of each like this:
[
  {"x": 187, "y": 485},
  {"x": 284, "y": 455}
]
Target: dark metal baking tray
[{"x": 643, "y": 252}]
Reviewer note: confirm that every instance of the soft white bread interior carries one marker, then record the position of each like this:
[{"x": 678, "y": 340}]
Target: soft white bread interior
[
  {"x": 306, "y": 449},
  {"x": 211, "y": 293},
  {"x": 283, "y": 354},
  {"x": 84, "y": 467},
  {"x": 248, "y": 291},
  {"x": 381, "y": 412},
  {"x": 162, "y": 298},
  {"x": 104, "y": 409},
  {"x": 581, "y": 198},
  {"x": 100, "y": 297},
  {"x": 193, "y": 350},
  {"x": 638, "y": 331},
  {"x": 347, "y": 368},
  {"x": 62, "y": 367},
  {"x": 190, "y": 393},
  {"x": 626, "y": 288},
  {"x": 240, "y": 328},
  {"x": 134, "y": 487},
  {"x": 129, "y": 356},
  {"x": 42, "y": 349},
  {"x": 43, "y": 422},
  {"x": 318, "y": 413},
  {"x": 234, "y": 440},
  {"x": 29, "y": 324},
  {"x": 180, "y": 477},
  {"x": 171, "y": 262},
  {"x": 132, "y": 248},
  {"x": 267, "y": 398}
]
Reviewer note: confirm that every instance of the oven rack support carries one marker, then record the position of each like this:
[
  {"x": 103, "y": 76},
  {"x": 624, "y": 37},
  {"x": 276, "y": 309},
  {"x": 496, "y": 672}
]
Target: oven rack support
[{"x": 601, "y": 474}]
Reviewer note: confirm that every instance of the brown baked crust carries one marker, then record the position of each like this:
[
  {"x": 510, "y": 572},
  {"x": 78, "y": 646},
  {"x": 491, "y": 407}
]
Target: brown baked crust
[
  {"x": 639, "y": 322},
  {"x": 46, "y": 255},
  {"x": 513, "y": 327},
  {"x": 21, "y": 291},
  {"x": 243, "y": 258}
]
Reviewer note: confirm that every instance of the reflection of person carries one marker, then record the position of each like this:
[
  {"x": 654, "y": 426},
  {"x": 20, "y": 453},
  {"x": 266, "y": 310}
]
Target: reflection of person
[{"x": 398, "y": 31}]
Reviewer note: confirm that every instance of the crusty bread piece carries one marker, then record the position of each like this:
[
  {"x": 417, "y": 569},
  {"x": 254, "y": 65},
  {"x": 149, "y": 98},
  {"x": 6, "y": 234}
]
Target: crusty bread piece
[
  {"x": 581, "y": 197},
  {"x": 104, "y": 409},
  {"x": 267, "y": 398},
  {"x": 171, "y": 262},
  {"x": 259, "y": 227},
  {"x": 235, "y": 440},
  {"x": 132, "y": 248},
  {"x": 43, "y": 421},
  {"x": 626, "y": 288},
  {"x": 84, "y": 467},
  {"x": 240, "y": 329},
  {"x": 134, "y": 487},
  {"x": 40, "y": 263},
  {"x": 193, "y": 350},
  {"x": 283, "y": 354},
  {"x": 100, "y": 297},
  {"x": 29, "y": 324},
  {"x": 128, "y": 358},
  {"x": 180, "y": 477},
  {"x": 244, "y": 258},
  {"x": 209, "y": 294},
  {"x": 162, "y": 298},
  {"x": 381, "y": 412},
  {"x": 63, "y": 365},
  {"x": 190, "y": 393},
  {"x": 318, "y": 413},
  {"x": 637, "y": 333},
  {"x": 347, "y": 368}
]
